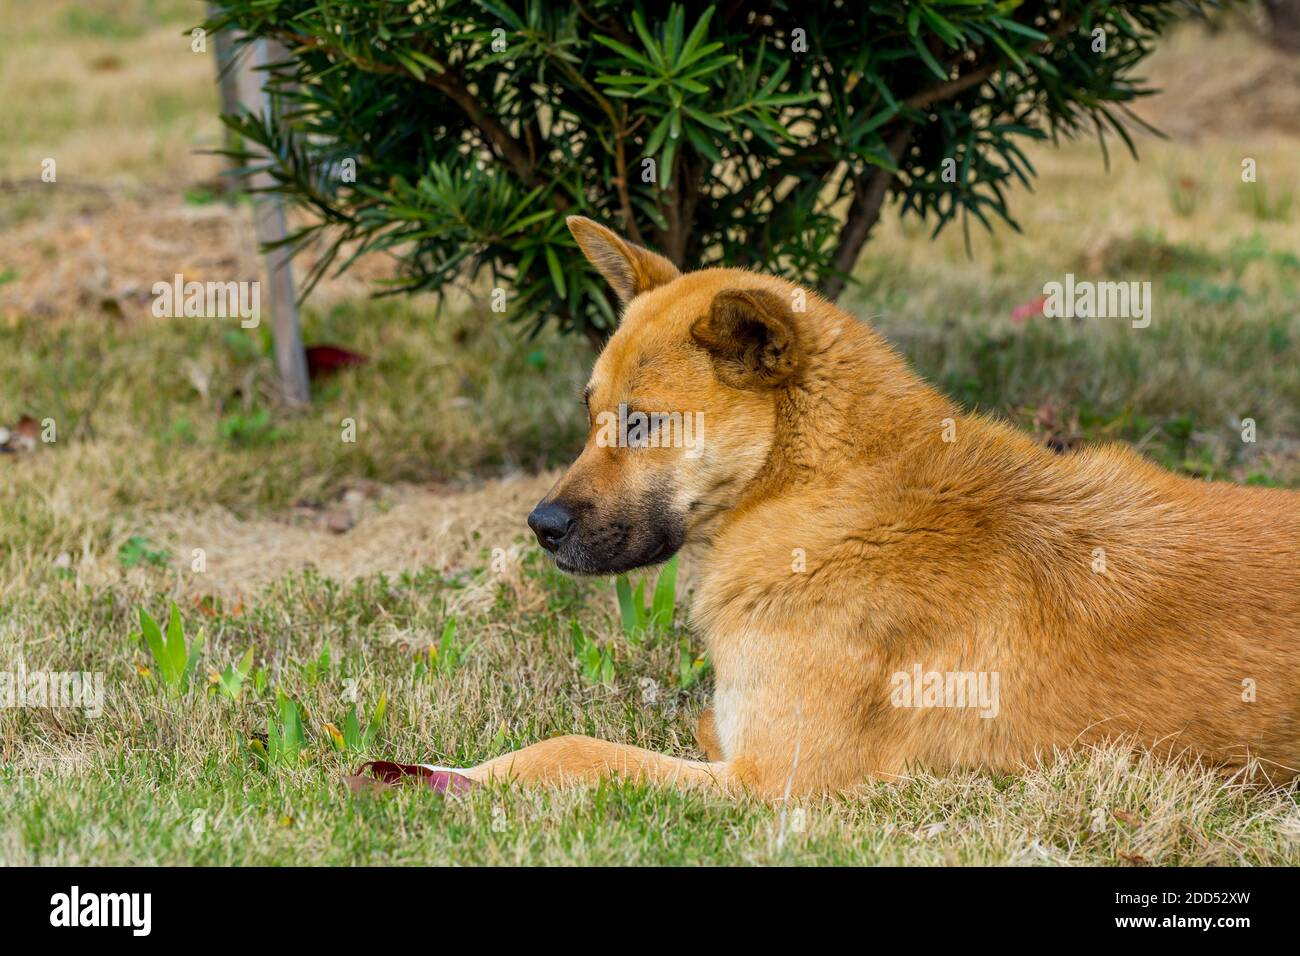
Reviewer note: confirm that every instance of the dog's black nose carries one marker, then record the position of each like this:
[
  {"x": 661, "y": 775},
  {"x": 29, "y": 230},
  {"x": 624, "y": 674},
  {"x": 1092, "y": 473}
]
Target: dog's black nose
[{"x": 551, "y": 522}]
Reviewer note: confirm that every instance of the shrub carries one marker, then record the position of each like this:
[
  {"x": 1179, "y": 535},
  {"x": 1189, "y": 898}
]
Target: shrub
[{"x": 459, "y": 134}]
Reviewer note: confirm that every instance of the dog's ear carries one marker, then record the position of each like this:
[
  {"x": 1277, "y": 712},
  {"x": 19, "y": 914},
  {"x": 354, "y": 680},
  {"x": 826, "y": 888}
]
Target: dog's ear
[
  {"x": 752, "y": 338},
  {"x": 628, "y": 268}
]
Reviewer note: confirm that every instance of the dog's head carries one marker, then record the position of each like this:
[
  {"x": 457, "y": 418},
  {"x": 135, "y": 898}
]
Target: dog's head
[{"x": 681, "y": 405}]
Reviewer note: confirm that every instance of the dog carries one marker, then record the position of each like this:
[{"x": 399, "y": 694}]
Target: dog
[{"x": 886, "y": 582}]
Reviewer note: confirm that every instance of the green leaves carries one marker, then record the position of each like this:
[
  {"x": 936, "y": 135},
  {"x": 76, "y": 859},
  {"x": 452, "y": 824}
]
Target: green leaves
[
  {"x": 690, "y": 669},
  {"x": 630, "y": 605},
  {"x": 665, "y": 598},
  {"x": 231, "y": 681},
  {"x": 640, "y": 622},
  {"x": 286, "y": 741},
  {"x": 449, "y": 653},
  {"x": 597, "y": 662},
  {"x": 137, "y": 549},
  {"x": 668, "y": 63},
  {"x": 671, "y": 82},
  {"x": 173, "y": 660},
  {"x": 474, "y": 128},
  {"x": 445, "y": 656},
  {"x": 354, "y": 739},
  {"x": 285, "y": 736}
]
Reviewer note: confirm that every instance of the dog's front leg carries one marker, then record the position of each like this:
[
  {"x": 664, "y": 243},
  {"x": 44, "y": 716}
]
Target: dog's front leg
[
  {"x": 576, "y": 759},
  {"x": 706, "y": 736}
]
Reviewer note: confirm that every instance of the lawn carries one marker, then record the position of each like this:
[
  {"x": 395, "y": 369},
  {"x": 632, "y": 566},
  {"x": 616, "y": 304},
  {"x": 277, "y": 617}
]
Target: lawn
[{"x": 397, "y": 567}]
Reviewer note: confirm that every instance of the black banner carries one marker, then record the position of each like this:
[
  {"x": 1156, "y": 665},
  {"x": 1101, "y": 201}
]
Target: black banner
[{"x": 329, "y": 905}]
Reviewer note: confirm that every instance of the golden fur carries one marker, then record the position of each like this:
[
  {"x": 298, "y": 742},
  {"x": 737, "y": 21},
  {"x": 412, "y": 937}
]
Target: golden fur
[{"x": 842, "y": 540}]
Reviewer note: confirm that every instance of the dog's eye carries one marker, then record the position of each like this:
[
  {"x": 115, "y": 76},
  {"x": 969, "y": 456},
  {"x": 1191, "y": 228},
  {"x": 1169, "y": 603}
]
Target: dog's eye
[{"x": 640, "y": 428}]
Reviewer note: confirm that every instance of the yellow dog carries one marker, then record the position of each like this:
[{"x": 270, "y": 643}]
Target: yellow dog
[{"x": 887, "y": 582}]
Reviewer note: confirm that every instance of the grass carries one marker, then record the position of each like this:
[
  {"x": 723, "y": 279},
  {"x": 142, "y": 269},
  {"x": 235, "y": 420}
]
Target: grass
[
  {"x": 111, "y": 91},
  {"x": 431, "y": 596},
  {"x": 167, "y": 779},
  {"x": 173, "y": 780}
]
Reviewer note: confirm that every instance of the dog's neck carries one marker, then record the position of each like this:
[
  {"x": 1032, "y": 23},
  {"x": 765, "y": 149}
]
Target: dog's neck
[{"x": 856, "y": 402}]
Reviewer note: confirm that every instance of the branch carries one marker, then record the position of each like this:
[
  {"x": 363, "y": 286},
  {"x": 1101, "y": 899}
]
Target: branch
[
  {"x": 864, "y": 212},
  {"x": 869, "y": 192},
  {"x": 451, "y": 85},
  {"x": 618, "y": 120},
  {"x": 946, "y": 91},
  {"x": 630, "y": 227},
  {"x": 513, "y": 151}
]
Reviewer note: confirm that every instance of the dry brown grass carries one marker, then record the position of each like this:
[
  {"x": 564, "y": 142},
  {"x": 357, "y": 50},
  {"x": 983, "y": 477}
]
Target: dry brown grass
[
  {"x": 111, "y": 91},
  {"x": 445, "y": 529}
]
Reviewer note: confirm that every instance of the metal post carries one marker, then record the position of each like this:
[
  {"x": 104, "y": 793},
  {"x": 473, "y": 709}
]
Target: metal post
[
  {"x": 227, "y": 76},
  {"x": 272, "y": 227}
]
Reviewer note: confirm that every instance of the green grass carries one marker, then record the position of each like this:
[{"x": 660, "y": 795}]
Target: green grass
[
  {"x": 166, "y": 779},
  {"x": 454, "y": 397},
  {"x": 182, "y": 415},
  {"x": 112, "y": 91},
  {"x": 1177, "y": 389},
  {"x": 144, "y": 812}
]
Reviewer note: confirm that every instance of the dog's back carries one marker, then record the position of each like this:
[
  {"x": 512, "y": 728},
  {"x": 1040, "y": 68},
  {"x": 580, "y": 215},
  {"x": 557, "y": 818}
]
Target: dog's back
[{"x": 1190, "y": 604}]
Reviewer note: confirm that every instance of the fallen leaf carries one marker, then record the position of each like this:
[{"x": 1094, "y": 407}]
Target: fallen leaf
[
  {"x": 383, "y": 774},
  {"x": 325, "y": 360},
  {"x": 1027, "y": 310},
  {"x": 27, "y": 427},
  {"x": 22, "y": 437}
]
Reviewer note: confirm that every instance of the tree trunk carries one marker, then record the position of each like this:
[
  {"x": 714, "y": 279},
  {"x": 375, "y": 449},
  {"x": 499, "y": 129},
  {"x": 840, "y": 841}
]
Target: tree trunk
[
  {"x": 869, "y": 191},
  {"x": 227, "y": 75}
]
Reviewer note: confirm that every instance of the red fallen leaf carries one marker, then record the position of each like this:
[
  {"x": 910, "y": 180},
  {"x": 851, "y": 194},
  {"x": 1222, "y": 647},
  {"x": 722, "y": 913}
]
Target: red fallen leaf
[
  {"x": 328, "y": 359},
  {"x": 27, "y": 427},
  {"x": 1027, "y": 310},
  {"x": 1135, "y": 858},
  {"x": 385, "y": 773},
  {"x": 21, "y": 437},
  {"x": 1132, "y": 819}
]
